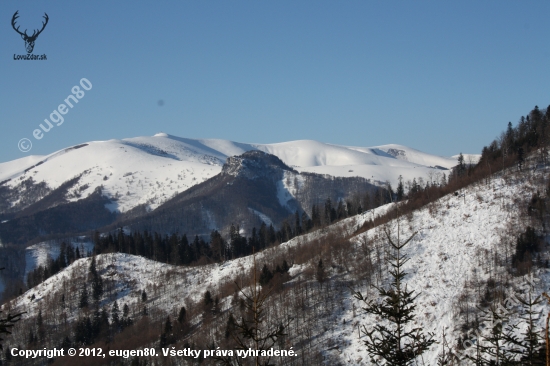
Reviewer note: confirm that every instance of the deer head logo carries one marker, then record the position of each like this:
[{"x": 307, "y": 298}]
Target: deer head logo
[{"x": 29, "y": 40}]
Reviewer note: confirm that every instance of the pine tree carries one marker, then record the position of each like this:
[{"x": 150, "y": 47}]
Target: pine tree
[
  {"x": 115, "y": 317},
  {"x": 285, "y": 267},
  {"x": 207, "y": 301},
  {"x": 93, "y": 269},
  {"x": 297, "y": 224},
  {"x": 531, "y": 340},
  {"x": 166, "y": 336},
  {"x": 83, "y": 302},
  {"x": 400, "y": 189},
  {"x": 530, "y": 344},
  {"x": 320, "y": 273},
  {"x": 461, "y": 167},
  {"x": 230, "y": 326},
  {"x": 390, "y": 193},
  {"x": 520, "y": 157},
  {"x": 97, "y": 287},
  {"x": 306, "y": 223},
  {"x": 182, "y": 316},
  {"x": 492, "y": 346},
  {"x": 328, "y": 211},
  {"x": 97, "y": 281},
  {"x": 265, "y": 276},
  {"x": 143, "y": 296},
  {"x": 392, "y": 340},
  {"x": 40, "y": 326}
]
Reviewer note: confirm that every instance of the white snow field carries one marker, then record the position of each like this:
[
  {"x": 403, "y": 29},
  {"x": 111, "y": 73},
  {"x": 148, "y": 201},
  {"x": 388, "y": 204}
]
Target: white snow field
[
  {"x": 150, "y": 170},
  {"x": 456, "y": 241}
]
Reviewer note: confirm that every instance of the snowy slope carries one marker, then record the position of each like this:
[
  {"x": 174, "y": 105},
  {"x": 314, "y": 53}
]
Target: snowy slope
[
  {"x": 444, "y": 258},
  {"x": 149, "y": 170}
]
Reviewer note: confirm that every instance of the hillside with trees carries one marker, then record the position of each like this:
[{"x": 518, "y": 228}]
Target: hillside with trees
[{"x": 450, "y": 272}]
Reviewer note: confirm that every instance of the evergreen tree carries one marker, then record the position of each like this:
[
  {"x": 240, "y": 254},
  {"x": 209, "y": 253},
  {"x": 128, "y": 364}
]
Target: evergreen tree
[
  {"x": 83, "y": 333},
  {"x": 83, "y": 302},
  {"x": 217, "y": 245},
  {"x": 493, "y": 345},
  {"x": 93, "y": 269},
  {"x": 40, "y": 326},
  {"x": 166, "y": 337},
  {"x": 461, "y": 167},
  {"x": 207, "y": 300},
  {"x": 115, "y": 317},
  {"x": 265, "y": 275},
  {"x": 400, "y": 189},
  {"x": 341, "y": 211},
  {"x": 62, "y": 259},
  {"x": 216, "y": 309},
  {"x": 393, "y": 340},
  {"x": 297, "y": 225},
  {"x": 390, "y": 193},
  {"x": 182, "y": 316},
  {"x": 306, "y": 223},
  {"x": 96, "y": 322},
  {"x": 320, "y": 273},
  {"x": 207, "y": 303},
  {"x": 531, "y": 342},
  {"x": 143, "y": 296},
  {"x": 520, "y": 157},
  {"x": 328, "y": 211},
  {"x": 285, "y": 267},
  {"x": 230, "y": 326},
  {"x": 315, "y": 216},
  {"x": 168, "y": 325},
  {"x": 97, "y": 287}
]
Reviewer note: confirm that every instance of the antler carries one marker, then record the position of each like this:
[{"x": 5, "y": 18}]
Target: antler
[
  {"x": 15, "y": 16},
  {"x": 34, "y": 35}
]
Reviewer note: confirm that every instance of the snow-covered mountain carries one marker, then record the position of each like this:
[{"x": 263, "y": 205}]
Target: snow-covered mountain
[
  {"x": 453, "y": 258},
  {"x": 150, "y": 170}
]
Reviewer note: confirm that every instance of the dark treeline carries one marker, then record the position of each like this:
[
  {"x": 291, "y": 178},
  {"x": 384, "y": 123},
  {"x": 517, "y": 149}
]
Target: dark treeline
[
  {"x": 67, "y": 255},
  {"x": 181, "y": 250},
  {"x": 531, "y": 134}
]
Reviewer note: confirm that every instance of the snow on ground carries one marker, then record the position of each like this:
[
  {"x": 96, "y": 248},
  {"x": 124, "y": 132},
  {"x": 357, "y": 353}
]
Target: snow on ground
[
  {"x": 288, "y": 187},
  {"x": 38, "y": 254},
  {"x": 262, "y": 216},
  {"x": 150, "y": 170},
  {"x": 444, "y": 258}
]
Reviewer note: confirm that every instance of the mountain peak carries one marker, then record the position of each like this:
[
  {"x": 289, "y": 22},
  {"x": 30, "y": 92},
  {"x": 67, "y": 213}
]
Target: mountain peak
[{"x": 253, "y": 164}]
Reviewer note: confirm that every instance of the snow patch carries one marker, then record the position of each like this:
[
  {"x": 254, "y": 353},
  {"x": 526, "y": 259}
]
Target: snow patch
[{"x": 262, "y": 216}]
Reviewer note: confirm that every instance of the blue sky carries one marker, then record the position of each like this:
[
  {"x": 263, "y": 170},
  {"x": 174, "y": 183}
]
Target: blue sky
[{"x": 442, "y": 77}]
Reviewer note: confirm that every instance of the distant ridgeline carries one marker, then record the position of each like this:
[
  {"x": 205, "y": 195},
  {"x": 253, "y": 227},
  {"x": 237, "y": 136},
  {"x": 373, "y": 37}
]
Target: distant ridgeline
[{"x": 256, "y": 188}]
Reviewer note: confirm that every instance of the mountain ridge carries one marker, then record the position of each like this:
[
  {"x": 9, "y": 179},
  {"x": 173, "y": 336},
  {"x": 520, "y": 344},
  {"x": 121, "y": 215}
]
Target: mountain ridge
[{"x": 147, "y": 171}]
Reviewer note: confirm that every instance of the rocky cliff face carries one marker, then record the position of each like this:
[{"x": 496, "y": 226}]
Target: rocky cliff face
[{"x": 255, "y": 164}]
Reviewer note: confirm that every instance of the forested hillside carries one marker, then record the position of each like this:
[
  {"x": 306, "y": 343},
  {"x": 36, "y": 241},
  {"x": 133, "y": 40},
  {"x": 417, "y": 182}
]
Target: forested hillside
[{"x": 463, "y": 263}]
